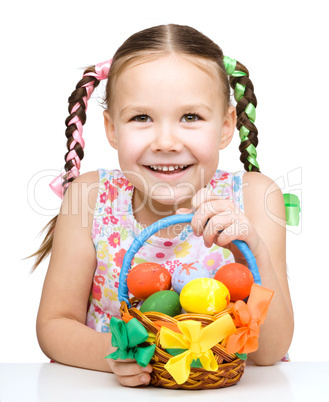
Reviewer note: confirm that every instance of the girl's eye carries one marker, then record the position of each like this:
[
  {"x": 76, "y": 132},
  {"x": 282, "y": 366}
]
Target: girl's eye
[
  {"x": 141, "y": 118},
  {"x": 191, "y": 117}
]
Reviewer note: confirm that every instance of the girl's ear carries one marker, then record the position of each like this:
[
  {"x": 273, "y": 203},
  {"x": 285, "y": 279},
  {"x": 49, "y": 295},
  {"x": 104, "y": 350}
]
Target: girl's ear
[
  {"x": 228, "y": 127},
  {"x": 110, "y": 131}
]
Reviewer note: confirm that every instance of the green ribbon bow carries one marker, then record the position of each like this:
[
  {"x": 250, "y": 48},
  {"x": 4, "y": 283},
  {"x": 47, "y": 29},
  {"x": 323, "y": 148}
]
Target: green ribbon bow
[
  {"x": 126, "y": 337},
  {"x": 292, "y": 204},
  {"x": 230, "y": 65}
]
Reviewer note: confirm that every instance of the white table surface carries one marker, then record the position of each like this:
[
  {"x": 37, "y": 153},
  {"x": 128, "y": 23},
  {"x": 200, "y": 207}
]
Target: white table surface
[{"x": 54, "y": 382}]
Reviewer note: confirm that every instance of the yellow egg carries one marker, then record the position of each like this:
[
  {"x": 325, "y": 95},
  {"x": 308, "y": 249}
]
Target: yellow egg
[{"x": 204, "y": 296}]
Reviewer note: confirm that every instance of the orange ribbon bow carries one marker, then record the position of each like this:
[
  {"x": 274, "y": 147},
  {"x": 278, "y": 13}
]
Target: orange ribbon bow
[{"x": 248, "y": 318}]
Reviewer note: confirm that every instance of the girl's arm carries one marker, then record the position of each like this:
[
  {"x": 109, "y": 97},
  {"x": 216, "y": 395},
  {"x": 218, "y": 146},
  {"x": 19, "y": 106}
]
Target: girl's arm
[
  {"x": 61, "y": 329},
  {"x": 264, "y": 207},
  {"x": 262, "y": 227},
  {"x": 62, "y": 333}
]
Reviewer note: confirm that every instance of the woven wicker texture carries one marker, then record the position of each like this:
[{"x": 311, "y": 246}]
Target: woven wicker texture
[{"x": 230, "y": 367}]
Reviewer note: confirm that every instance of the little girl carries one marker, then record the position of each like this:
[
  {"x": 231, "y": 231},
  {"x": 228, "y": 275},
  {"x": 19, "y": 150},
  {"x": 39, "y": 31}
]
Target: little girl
[{"x": 168, "y": 113}]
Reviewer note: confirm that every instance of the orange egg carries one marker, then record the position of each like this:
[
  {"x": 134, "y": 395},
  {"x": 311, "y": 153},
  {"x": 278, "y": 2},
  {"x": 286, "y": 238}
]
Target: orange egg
[
  {"x": 148, "y": 278},
  {"x": 237, "y": 278}
]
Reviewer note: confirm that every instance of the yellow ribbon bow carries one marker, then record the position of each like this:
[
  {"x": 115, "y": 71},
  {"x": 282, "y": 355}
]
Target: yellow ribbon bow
[{"x": 198, "y": 341}]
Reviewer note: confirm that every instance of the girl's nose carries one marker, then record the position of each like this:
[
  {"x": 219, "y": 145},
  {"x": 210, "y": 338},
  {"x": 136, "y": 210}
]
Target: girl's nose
[{"x": 166, "y": 140}]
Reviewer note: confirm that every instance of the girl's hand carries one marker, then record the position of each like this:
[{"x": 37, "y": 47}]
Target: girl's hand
[
  {"x": 128, "y": 373},
  {"x": 220, "y": 221},
  {"x": 262, "y": 229}
]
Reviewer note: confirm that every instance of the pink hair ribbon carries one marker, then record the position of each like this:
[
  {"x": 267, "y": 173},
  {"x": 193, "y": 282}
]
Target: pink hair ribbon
[
  {"x": 101, "y": 73},
  {"x": 101, "y": 70},
  {"x": 56, "y": 184}
]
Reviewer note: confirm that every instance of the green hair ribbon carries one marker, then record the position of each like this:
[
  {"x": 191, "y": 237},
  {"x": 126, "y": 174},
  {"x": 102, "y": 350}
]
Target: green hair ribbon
[
  {"x": 292, "y": 205},
  {"x": 252, "y": 156},
  {"x": 230, "y": 65},
  {"x": 291, "y": 201},
  {"x": 126, "y": 337},
  {"x": 239, "y": 91},
  {"x": 250, "y": 110}
]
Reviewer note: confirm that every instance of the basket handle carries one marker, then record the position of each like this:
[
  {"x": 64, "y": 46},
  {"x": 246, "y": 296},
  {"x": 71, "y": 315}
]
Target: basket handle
[{"x": 163, "y": 224}]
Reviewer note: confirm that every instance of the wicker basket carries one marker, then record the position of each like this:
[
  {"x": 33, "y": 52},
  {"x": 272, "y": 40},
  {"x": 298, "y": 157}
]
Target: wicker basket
[{"x": 230, "y": 366}]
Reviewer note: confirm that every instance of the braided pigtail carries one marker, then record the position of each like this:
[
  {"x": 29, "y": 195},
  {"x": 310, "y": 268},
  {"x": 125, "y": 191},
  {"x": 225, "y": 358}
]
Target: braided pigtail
[
  {"x": 74, "y": 123},
  {"x": 246, "y": 112},
  {"x": 75, "y": 145}
]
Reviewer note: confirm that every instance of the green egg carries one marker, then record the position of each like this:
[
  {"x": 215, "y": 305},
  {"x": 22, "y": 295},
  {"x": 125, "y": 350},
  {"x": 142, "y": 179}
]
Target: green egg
[{"x": 164, "y": 301}]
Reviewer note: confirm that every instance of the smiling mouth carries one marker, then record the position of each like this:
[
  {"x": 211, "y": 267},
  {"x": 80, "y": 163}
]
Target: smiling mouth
[{"x": 168, "y": 169}]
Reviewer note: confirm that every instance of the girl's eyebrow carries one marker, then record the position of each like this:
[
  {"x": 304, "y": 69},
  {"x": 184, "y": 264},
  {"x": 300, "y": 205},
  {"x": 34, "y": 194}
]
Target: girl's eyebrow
[
  {"x": 144, "y": 109},
  {"x": 196, "y": 106},
  {"x": 134, "y": 108}
]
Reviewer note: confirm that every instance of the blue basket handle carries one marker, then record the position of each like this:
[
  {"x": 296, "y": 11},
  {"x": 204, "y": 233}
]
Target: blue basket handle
[{"x": 162, "y": 224}]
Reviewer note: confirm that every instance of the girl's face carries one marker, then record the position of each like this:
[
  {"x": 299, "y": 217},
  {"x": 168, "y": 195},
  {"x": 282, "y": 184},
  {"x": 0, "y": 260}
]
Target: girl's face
[{"x": 168, "y": 123}]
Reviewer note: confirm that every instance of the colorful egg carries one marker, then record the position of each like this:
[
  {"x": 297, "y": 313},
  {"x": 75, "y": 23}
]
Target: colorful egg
[
  {"x": 204, "y": 296},
  {"x": 237, "y": 278},
  {"x": 184, "y": 273},
  {"x": 165, "y": 301},
  {"x": 148, "y": 278}
]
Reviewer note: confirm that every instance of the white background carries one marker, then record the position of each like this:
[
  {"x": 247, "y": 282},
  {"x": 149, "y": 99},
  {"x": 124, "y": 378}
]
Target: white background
[{"x": 44, "y": 47}]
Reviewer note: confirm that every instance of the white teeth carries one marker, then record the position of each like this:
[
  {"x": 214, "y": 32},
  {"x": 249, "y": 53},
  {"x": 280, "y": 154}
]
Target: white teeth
[{"x": 167, "y": 168}]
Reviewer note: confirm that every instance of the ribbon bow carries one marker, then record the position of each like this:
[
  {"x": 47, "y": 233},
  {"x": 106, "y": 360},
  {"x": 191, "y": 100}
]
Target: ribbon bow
[
  {"x": 56, "y": 184},
  {"x": 101, "y": 70},
  {"x": 198, "y": 341},
  {"x": 292, "y": 205},
  {"x": 248, "y": 318},
  {"x": 126, "y": 337}
]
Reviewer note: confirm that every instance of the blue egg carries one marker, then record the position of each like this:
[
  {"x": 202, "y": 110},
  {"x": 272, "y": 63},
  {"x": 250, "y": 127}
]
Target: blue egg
[{"x": 184, "y": 273}]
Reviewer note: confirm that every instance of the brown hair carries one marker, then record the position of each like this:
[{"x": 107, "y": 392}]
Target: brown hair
[{"x": 147, "y": 45}]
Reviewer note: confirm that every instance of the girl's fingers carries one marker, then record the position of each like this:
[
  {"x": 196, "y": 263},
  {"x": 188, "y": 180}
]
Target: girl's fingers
[
  {"x": 123, "y": 369},
  {"x": 202, "y": 196},
  {"x": 134, "y": 381},
  {"x": 217, "y": 223},
  {"x": 209, "y": 210},
  {"x": 125, "y": 361},
  {"x": 183, "y": 211},
  {"x": 229, "y": 234},
  {"x": 130, "y": 374}
]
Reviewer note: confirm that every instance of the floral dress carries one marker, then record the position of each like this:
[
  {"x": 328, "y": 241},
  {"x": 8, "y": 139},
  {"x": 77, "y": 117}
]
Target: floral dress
[{"x": 115, "y": 228}]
